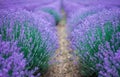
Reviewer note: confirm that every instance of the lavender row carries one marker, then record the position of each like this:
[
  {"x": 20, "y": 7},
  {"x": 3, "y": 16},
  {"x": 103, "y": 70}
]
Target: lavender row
[
  {"x": 28, "y": 4},
  {"x": 94, "y": 35},
  {"x": 76, "y": 13},
  {"x": 35, "y": 37},
  {"x": 96, "y": 2},
  {"x": 51, "y": 7}
]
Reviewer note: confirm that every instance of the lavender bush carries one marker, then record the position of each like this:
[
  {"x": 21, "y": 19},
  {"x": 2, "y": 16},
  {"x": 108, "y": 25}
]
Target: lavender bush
[
  {"x": 36, "y": 38},
  {"x": 90, "y": 34}
]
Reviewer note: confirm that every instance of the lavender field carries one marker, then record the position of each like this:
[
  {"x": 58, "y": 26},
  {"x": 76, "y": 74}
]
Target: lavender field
[{"x": 59, "y": 38}]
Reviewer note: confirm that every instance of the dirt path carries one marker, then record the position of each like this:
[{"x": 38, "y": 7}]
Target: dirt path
[{"x": 63, "y": 62}]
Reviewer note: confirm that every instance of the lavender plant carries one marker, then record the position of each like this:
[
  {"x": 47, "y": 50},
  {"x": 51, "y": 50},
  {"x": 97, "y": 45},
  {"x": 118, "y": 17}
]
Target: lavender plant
[
  {"x": 92, "y": 32},
  {"x": 36, "y": 38}
]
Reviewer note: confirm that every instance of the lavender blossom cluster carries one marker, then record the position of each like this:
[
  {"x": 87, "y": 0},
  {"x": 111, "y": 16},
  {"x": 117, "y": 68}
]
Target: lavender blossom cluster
[
  {"x": 12, "y": 61},
  {"x": 90, "y": 38},
  {"x": 35, "y": 37},
  {"x": 109, "y": 58}
]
